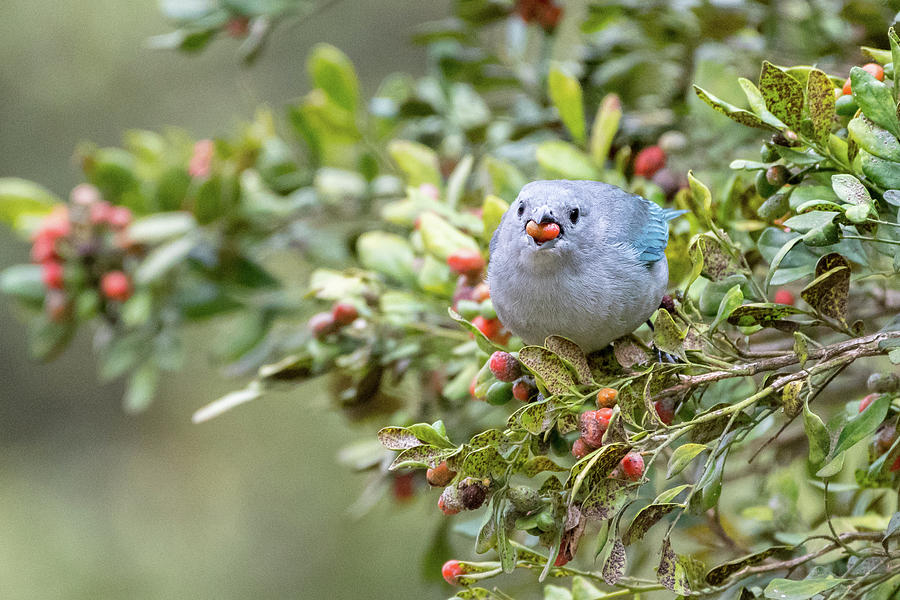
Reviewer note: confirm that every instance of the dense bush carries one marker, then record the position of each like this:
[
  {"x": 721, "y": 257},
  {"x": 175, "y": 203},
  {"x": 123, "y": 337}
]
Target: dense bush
[{"x": 784, "y": 277}]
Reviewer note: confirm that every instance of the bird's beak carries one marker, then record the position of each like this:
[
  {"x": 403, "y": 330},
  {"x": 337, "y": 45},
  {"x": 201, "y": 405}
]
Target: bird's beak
[{"x": 542, "y": 232}]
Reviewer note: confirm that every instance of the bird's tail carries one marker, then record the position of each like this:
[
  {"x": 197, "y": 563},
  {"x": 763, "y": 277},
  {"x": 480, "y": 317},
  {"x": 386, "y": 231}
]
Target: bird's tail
[{"x": 671, "y": 213}]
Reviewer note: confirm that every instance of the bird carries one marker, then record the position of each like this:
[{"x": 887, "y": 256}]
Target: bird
[{"x": 584, "y": 260}]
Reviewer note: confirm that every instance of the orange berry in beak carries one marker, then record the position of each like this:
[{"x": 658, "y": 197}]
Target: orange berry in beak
[{"x": 542, "y": 232}]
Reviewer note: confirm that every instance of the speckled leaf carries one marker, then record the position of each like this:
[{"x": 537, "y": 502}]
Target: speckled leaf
[
  {"x": 484, "y": 344},
  {"x": 700, "y": 199},
  {"x": 483, "y": 462},
  {"x": 598, "y": 465},
  {"x": 783, "y": 94},
  {"x": 695, "y": 253},
  {"x": 717, "y": 263},
  {"x": 505, "y": 550},
  {"x": 875, "y": 100},
  {"x": 758, "y": 104},
  {"x": 567, "y": 423},
  {"x": 719, "y": 575},
  {"x": 801, "y": 348},
  {"x": 604, "y": 365},
  {"x": 829, "y": 291},
  {"x": 474, "y": 593},
  {"x": 491, "y": 437},
  {"x": 628, "y": 352},
  {"x": 647, "y": 518},
  {"x": 820, "y": 104},
  {"x": 571, "y": 352},
  {"x": 762, "y": 313},
  {"x": 548, "y": 367},
  {"x": 606, "y": 498},
  {"x": 398, "y": 438},
  {"x": 670, "y": 572},
  {"x": 539, "y": 464},
  {"x": 614, "y": 566},
  {"x": 710, "y": 430},
  {"x": 849, "y": 189},
  {"x": 420, "y": 456},
  {"x": 682, "y": 457},
  {"x": 791, "y": 403},
  {"x": 667, "y": 336},
  {"x": 731, "y": 111},
  {"x": 533, "y": 418},
  {"x": 551, "y": 485},
  {"x": 487, "y": 535}
]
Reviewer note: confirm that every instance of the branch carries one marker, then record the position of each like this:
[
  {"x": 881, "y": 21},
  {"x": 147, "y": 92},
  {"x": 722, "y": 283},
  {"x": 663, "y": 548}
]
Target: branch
[{"x": 849, "y": 349}]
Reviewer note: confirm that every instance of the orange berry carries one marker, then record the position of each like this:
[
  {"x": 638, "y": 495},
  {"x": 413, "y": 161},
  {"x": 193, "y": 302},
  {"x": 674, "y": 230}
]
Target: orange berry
[
  {"x": 606, "y": 398},
  {"x": 875, "y": 70}
]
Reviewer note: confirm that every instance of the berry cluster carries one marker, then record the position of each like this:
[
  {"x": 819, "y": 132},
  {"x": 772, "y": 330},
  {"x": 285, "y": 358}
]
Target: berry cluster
[
  {"x": 501, "y": 379},
  {"x": 845, "y": 104},
  {"x": 593, "y": 425},
  {"x": 82, "y": 247}
]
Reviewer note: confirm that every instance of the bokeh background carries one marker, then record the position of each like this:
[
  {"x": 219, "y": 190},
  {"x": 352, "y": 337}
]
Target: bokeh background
[{"x": 98, "y": 504}]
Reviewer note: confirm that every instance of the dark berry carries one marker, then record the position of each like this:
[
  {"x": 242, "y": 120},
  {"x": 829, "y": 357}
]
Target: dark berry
[{"x": 472, "y": 494}]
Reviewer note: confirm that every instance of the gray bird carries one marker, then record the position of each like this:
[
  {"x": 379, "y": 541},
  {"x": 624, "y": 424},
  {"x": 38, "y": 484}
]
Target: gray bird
[{"x": 580, "y": 259}]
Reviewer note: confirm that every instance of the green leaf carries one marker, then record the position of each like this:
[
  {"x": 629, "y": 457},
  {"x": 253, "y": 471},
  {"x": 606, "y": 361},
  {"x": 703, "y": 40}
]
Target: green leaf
[
  {"x": 160, "y": 227},
  {"x": 875, "y": 100},
  {"x": 720, "y": 574},
  {"x": 874, "y": 139},
  {"x": 828, "y": 293},
  {"x": 732, "y": 299},
  {"x": 682, "y": 457},
  {"x": 885, "y": 173},
  {"x": 783, "y": 94},
  {"x": 809, "y": 221},
  {"x": 418, "y": 162},
  {"x": 441, "y": 238},
  {"x": 895, "y": 58},
  {"x": 388, "y": 254},
  {"x": 549, "y": 367},
  {"x": 331, "y": 71},
  {"x": 565, "y": 92},
  {"x": 141, "y": 388},
  {"x": 701, "y": 199},
  {"x": 24, "y": 282},
  {"x": 731, "y": 111},
  {"x": 481, "y": 340},
  {"x": 492, "y": 210},
  {"x": 163, "y": 259},
  {"x": 817, "y": 434},
  {"x": 849, "y": 189},
  {"x": 429, "y": 435},
  {"x": 456, "y": 183},
  {"x": 647, "y": 518},
  {"x": 820, "y": 104},
  {"x": 22, "y": 201},
  {"x": 670, "y": 494},
  {"x": 788, "y": 589},
  {"x": 563, "y": 160},
  {"x": 862, "y": 425},
  {"x": 606, "y": 123},
  {"x": 398, "y": 438},
  {"x": 670, "y": 572}
]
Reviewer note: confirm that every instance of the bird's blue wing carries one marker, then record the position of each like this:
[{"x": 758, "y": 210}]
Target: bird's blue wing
[{"x": 652, "y": 239}]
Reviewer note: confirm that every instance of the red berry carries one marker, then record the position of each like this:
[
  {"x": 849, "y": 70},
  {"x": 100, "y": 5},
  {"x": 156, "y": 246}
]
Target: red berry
[
  {"x": 649, "y": 160},
  {"x": 201, "y": 161},
  {"x": 522, "y": 390},
  {"x": 344, "y": 313},
  {"x": 504, "y": 366},
  {"x": 466, "y": 261},
  {"x": 580, "y": 449},
  {"x": 665, "y": 411},
  {"x": 403, "y": 486},
  {"x": 896, "y": 465},
  {"x": 119, "y": 217},
  {"x": 55, "y": 226},
  {"x": 606, "y": 398},
  {"x": 53, "y": 275},
  {"x": 864, "y": 404},
  {"x": 84, "y": 194},
  {"x": 847, "y": 89},
  {"x": 561, "y": 558},
  {"x": 783, "y": 296},
  {"x": 42, "y": 250},
  {"x": 321, "y": 324},
  {"x": 440, "y": 475},
  {"x": 446, "y": 507},
  {"x": 489, "y": 327},
  {"x": 549, "y": 15},
  {"x": 593, "y": 425},
  {"x": 472, "y": 386},
  {"x": 633, "y": 466},
  {"x": 237, "y": 27},
  {"x": 542, "y": 232},
  {"x": 875, "y": 70},
  {"x": 451, "y": 571},
  {"x": 115, "y": 285}
]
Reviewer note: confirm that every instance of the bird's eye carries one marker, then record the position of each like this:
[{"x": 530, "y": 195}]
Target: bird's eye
[
  {"x": 573, "y": 215},
  {"x": 521, "y": 210}
]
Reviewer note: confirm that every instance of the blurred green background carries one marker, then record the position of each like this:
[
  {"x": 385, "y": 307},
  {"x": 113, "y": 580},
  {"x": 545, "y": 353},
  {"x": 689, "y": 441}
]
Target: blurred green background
[{"x": 96, "y": 504}]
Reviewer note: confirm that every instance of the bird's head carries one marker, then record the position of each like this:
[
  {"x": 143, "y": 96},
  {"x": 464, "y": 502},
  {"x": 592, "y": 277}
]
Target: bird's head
[{"x": 548, "y": 221}]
